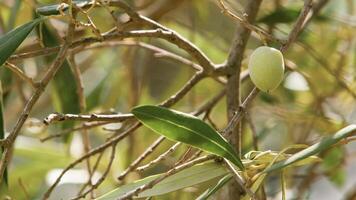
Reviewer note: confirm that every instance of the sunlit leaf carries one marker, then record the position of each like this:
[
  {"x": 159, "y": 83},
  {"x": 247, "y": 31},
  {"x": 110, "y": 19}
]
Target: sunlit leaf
[
  {"x": 12, "y": 40},
  {"x": 186, "y": 128},
  {"x": 185, "y": 178},
  {"x": 314, "y": 149}
]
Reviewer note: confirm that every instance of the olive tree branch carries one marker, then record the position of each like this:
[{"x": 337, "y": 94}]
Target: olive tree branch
[
  {"x": 232, "y": 67},
  {"x": 10, "y": 139},
  {"x": 112, "y": 118},
  {"x": 92, "y": 152},
  {"x": 136, "y": 162},
  {"x": 102, "y": 178}
]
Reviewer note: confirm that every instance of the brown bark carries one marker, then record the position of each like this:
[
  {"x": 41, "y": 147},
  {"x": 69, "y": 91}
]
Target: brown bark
[{"x": 233, "y": 66}]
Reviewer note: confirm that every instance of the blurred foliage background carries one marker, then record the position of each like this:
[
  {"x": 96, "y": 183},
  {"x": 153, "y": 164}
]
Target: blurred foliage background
[{"x": 316, "y": 99}]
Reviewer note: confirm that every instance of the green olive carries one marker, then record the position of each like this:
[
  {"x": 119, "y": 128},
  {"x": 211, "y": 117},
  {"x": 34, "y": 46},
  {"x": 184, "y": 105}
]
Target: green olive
[{"x": 266, "y": 66}]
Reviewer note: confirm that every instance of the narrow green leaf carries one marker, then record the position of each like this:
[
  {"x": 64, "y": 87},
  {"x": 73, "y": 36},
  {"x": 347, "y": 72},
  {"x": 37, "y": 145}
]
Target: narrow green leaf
[
  {"x": 2, "y": 132},
  {"x": 54, "y": 9},
  {"x": 185, "y": 178},
  {"x": 186, "y": 128},
  {"x": 214, "y": 189},
  {"x": 11, "y": 40},
  {"x": 314, "y": 149}
]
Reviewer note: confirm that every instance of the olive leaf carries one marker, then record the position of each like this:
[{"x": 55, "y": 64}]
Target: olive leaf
[
  {"x": 12, "y": 40},
  {"x": 324, "y": 144},
  {"x": 186, "y": 128},
  {"x": 186, "y": 178}
]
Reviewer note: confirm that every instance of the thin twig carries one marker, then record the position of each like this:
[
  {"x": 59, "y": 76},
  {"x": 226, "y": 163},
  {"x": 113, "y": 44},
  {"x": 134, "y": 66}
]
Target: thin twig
[
  {"x": 96, "y": 165},
  {"x": 102, "y": 178},
  {"x": 92, "y": 152},
  {"x": 55, "y": 117},
  {"x": 239, "y": 114},
  {"x": 20, "y": 74},
  {"x": 185, "y": 156},
  {"x": 160, "y": 158},
  {"x": 209, "y": 104},
  {"x": 184, "y": 90},
  {"x": 158, "y": 52},
  {"x": 67, "y": 131},
  {"x": 147, "y": 152},
  {"x": 82, "y": 104},
  {"x": 299, "y": 25},
  {"x": 194, "y": 156},
  {"x": 246, "y": 24},
  {"x": 9, "y": 141}
]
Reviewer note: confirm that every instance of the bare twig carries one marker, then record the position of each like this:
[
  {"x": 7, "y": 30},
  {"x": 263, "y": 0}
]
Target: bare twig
[
  {"x": 299, "y": 25},
  {"x": 184, "y": 90},
  {"x": 55, "y": 117},
  {"x": 211, "y": 103},
  {"x": 82, "y": 105},
  {"x": 92, "y": 152},
  {"x": 20, "y": 74},
  {"x": 158, "y": 52},
  {"x": 9, "y": 141},
  {"x": 160, "y": 158},
  {"x": 194, "y": 156},
  {"x": 239, "y": 114},
  {"x": 147, "y": 152}
]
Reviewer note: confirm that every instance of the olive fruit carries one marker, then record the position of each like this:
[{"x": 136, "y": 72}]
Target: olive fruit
[{"x": 266, "y": 67}]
